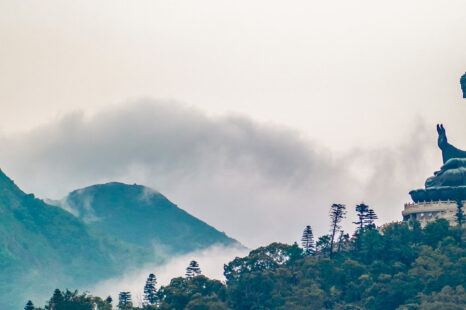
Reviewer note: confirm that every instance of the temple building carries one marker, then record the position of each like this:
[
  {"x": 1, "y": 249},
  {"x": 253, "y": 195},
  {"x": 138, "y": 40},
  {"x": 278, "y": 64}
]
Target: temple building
[{"x": 444, "y": 192}]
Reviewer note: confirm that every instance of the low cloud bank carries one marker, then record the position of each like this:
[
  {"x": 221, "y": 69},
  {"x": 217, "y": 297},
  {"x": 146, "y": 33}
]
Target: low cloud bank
[
  {"x": 210, "y": 260},
  {"x": 257, "y": 182}
]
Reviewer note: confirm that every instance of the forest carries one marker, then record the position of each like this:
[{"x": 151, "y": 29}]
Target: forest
[{"x": 399, "y": 265}]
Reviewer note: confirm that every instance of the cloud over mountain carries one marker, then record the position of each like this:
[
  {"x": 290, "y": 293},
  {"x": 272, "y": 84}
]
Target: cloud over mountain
[{"x": 256, "y": 181}]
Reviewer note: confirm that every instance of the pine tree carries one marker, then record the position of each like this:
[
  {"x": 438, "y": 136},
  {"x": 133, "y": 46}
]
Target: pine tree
[
  {"x": 370, "y": 219},
  {"x": 460, "y": 213},
  {"x": 307, "y": 241},
  {"x": 124, "y": 300},
  {"x": 341, "y": 240},
  {"x": 29, "y": 306},
  {"x": 337, "y": 214},
  {"x": 150, "y": 292},
  {"x": 361, "y": 210},
  {"x": 56, "y": 300},
  {"x": 109, "y": 300},
  {"x": 193, "y": 270}
]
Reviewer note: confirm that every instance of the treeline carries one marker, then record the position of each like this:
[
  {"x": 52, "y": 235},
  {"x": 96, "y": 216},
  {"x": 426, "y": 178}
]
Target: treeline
[{"x": 397, "y": 266}]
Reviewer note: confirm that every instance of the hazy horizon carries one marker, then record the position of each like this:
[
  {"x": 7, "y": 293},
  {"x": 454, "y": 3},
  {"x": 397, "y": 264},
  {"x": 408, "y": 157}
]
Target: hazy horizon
[{"x": 253, "y": 116}]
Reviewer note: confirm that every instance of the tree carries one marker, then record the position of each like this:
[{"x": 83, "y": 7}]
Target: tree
[
  {"x": 57, "y": 300},
  {"x": 361, "y": 210},
  {"x": 323, "y": 245},
  {"x": 460, "y": 213},
  {"x": 307, "y": 241},
  {"x": 109, "y": 300},
  {"x": 370, "y": 219},
  {"x": 150, "y": 292},
  {"x": 29, "y": 306},
  {"x": 193, "y": 270},
  {"x": 341, "y": 240},
  {"x": 124, "y": 301},
  {"x": 337, "y": 214}
]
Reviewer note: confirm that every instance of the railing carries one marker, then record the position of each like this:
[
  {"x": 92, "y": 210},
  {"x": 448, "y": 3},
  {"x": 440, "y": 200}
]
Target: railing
[{"x": 415, "y": 204}]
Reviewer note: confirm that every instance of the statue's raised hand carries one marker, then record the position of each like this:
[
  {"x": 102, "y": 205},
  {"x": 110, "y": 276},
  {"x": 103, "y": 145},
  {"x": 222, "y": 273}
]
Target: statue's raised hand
[
  {"x": 442, "y": 137},
  {"x": 448, "y": 150}
]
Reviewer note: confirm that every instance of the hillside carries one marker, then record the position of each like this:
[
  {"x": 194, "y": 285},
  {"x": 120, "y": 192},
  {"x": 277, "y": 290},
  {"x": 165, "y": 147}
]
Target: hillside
[
  {"x": 139, "y": 215},
  {"x": 43, "y": 247}
]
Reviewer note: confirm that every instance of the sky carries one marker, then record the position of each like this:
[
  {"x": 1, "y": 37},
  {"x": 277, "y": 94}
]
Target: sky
[{"x": 254, "y": 116}]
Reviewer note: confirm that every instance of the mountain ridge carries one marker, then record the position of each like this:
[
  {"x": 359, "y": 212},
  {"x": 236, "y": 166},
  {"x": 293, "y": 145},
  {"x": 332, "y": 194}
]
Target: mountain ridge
[{"x": 143, "y": 216}]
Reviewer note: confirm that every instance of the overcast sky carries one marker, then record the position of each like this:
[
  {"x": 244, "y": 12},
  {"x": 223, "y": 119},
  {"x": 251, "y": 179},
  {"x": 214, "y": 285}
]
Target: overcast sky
[{"x": 252, "y": 115}]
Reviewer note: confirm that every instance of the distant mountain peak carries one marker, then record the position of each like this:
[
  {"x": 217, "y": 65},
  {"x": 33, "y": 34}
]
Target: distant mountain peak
[{"x": 142, "y": 215}]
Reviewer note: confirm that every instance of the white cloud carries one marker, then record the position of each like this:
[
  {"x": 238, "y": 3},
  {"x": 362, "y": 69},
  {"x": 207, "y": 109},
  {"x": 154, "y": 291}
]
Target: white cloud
[{"x": 257, "y": 182}]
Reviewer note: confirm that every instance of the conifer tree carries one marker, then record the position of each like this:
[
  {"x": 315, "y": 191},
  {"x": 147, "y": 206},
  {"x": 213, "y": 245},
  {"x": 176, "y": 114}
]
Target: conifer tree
[
  {"x": 337, "y": 214},
  {"x": 341, "y": 240},
  {"x": 307, "y": 241},
  {"x": 193, "y": 270},
  {"x": 150, "y": 292},
  {"x": 370, "y": 219},
  {"x": 109, "y": 300},
  {"x": 361, "y": 210},
  {"x": 124, "y": 300},
  {"x": 459, "y": 213},
  {"x": 56, "y": 300},
  {"x": 29, "y": 306}
]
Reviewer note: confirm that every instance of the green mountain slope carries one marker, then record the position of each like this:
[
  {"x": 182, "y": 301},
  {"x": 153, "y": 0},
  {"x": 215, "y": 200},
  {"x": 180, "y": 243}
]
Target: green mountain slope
[
  {"x": 140, "y": 215},
  {"x": 43, "y": 247}
]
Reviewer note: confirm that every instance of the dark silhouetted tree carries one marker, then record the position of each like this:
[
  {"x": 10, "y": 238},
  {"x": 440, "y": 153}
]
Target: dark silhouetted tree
[
  {"x": 337, "y": 214},
  {"x": 307, "y": 241},
  {"x": 342, "y": 239},
  {"x": 459, "y": 213},
  {"x": 150, "y": 292},
  {"x": 29, "y": 306},
  {"x": 124, "y": 301},
  {"x": 370, "y": 219},
  {"x": 361, "y": 210},
  {"x": 323, "y": 245},
  {"x": 109, "y": 300},
  {"x": 193, "y": 270}
]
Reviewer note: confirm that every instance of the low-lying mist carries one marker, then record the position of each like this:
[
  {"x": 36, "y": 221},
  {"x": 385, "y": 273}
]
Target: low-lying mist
[{"x": 211, "y": 261}]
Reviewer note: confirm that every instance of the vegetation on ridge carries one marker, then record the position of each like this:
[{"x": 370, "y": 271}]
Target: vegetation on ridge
[{"x": 397, "y": 266}]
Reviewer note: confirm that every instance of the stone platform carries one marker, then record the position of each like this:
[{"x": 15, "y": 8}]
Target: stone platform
[{"x": 426, "y": 212}]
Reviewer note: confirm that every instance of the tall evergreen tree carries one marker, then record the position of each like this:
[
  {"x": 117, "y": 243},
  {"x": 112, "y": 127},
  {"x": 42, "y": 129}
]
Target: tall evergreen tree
[
  {"x": 370, "y": 219},
  {"x": 150, "y": 292},
  {"x": 337, "y": 214},
  {"x": 323, "y": 245},
  {"x": 361, "y": 210},
  {"x": 193, "y": 270},
  {"x": 341, "y": 240},
  {"x": 459, "y": 213},
  {"x": 307, "y": 241},
  {"x": 57, "y": 299},
  {"x": 124, "y": 301},
  {"x": 29, "y": 306},
  {"x": 109, "y": 300}
]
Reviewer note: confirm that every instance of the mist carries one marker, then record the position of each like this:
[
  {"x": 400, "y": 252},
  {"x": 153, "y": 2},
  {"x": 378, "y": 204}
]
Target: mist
[
  {"x": 258, "y": 182},
  {"x": 211, "y": 261}
]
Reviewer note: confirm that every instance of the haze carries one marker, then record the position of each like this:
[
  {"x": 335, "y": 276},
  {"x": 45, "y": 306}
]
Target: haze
[{"x": 253, "y": 115}]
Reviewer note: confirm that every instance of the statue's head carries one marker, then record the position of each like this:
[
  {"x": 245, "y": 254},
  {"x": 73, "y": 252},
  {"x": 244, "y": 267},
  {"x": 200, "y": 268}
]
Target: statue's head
[
  {"x": 442, "y": 136},
  {"x": 463, "y": 84}
]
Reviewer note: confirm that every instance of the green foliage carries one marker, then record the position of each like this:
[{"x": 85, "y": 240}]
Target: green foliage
[
  {"x": 307, "y": 241},
  {"x": 29, "y": 306},
  {"x": 154, "y": 219},
  {"x": 34, "y": 235},
  {"x": 397, "y": 267},
  {"x": 72, "y": 300},
  {"x": 150, "y": 292},
  {"x": 193, "y": 270},
  {"x": 195, "y": 293}
]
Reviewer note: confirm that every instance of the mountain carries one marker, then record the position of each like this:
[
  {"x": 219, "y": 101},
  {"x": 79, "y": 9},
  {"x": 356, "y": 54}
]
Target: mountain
[
  {"x": 142, "y": 216},
  {"x": 43, "y": 247}
]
